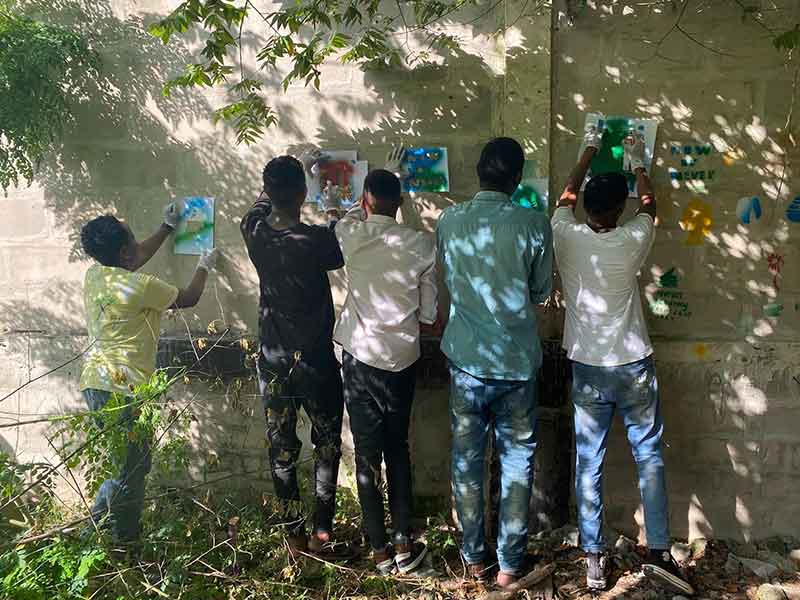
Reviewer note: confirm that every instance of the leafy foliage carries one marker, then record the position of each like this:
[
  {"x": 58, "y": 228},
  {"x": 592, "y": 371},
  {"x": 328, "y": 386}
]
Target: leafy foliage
[
  {"x": 43, "y": 70},
  {"x": 98, "y": 440},
  {"x": 303, "y": 34},
  {"x": 788, "y": 40}
]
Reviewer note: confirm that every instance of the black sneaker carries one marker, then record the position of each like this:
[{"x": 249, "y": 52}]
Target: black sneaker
[
  {"x": 660, "y": 566},
  {"x": 409, "y": 556},
  {"x": 596, "y": 571}
]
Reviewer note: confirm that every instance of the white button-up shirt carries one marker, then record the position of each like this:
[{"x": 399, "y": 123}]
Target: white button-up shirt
[{"x": 391, "y": 289}]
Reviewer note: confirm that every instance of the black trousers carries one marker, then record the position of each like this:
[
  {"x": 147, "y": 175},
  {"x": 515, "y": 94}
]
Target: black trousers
[
  {"x": 379, "y": 405},
  {"x": 318, "y": 390}
]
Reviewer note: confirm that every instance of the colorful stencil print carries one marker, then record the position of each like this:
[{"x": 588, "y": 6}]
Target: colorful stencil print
[
  {"x": 775, "y": 265},
  {"x": 615, "y": 129},
  {"x": 532, "y": 192},
  {"x": 793, "y": 212},
  {"x": 669, "y": 279},
  {"x": 773, "y": 309},
  {"x": 697, "y": 221},
  {"x": 195, "y": 231},
  {"x": 667, "y": 301},
  {"x": 427, "y": 170},
  {"x": 343, "y": 169},
  {"x": 748, "y": 210}
]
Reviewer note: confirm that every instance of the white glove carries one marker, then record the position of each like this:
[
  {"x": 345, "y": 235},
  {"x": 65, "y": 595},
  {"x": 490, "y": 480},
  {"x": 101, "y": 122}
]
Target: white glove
[
  {"x": 331, "y": 197},
  {"x": 633, "y": 157},
  {"x": 208, "y": 260},
  {"x": 593, "y": 137},
  {"x": 394, "y": 161},
  {"x": 171, "y": 213},
  {"x": 311, "y": 159}
]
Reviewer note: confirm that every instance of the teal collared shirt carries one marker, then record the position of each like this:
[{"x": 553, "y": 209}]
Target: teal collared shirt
[{"x": 497, "y": 259}]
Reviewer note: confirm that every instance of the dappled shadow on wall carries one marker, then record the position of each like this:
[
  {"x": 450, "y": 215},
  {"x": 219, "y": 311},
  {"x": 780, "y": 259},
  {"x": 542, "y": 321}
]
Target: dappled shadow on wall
[{"x": 722, "y": 278}]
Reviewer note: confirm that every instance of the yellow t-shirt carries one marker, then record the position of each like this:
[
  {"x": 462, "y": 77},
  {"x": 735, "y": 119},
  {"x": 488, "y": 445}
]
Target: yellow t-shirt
[{"x": 123, "y": 312}]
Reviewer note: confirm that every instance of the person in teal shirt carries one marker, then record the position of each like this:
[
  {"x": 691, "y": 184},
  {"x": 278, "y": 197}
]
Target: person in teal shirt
[{"x": 497, "y": 259}]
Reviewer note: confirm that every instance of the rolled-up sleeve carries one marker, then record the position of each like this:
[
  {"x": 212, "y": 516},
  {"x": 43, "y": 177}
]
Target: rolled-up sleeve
[
  {"x": 541, "y": 278},
  {"x": 428, "y": 290}
]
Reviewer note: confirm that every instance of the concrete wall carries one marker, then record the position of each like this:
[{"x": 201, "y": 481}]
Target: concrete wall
[
  {"x": 132, "y": 150},
  {"x": 726, "y": 370}
]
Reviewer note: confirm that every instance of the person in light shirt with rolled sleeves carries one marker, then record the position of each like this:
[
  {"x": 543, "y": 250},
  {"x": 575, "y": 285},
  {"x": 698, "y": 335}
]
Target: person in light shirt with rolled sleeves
[
  {"x": 605, "y": 336},
  {"x": 391, "y": 297}
]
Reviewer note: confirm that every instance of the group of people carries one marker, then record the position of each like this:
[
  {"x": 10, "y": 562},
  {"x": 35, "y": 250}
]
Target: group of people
[{"x": 496, "y": 261}]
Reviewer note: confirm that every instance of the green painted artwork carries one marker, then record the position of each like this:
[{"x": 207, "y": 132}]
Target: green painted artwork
[
  {"x": 669, "y": 279},
  {"x": 610, "y": 159},
  {"x": 195, "y": 231}
]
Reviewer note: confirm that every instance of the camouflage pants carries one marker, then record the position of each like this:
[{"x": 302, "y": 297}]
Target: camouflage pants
[{"x": 318, "y": 390}]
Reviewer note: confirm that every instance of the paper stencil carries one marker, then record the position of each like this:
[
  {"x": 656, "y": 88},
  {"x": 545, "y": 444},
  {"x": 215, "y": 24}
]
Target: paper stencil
[
  {"x": 343, "y": 169},
  {"x": 532, "y": 192},
  {"x": 609, "y": 159},
  {"x": 195, "y": 230},
  {"x": 427, "y": 170}
]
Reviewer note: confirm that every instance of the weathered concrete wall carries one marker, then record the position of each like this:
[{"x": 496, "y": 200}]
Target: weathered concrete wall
[
  {"x": 730, "y": 400},
  {"x": 727, "y": 368},
  {"x": 133, "y": 150}
]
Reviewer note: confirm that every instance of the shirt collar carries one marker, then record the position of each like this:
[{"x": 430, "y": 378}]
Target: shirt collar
[
  {"x": 381, "y": 219},
  {"x": 491, "y": 196}
]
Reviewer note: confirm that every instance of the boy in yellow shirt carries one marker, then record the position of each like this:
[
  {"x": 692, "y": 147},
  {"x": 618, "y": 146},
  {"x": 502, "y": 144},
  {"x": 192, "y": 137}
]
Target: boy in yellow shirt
[{"x": 123, "y": 312}]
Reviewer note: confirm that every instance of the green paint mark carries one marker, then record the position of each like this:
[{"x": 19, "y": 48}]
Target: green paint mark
[
  {"x": 198, "y": 233},
  {"x": 526, "y": 196},
  {"x": 609, "y": 159},
  {"x": 428, "y": 180},
  {"x": 669, "y": 279},
  {"x": 773, "y": 309}
]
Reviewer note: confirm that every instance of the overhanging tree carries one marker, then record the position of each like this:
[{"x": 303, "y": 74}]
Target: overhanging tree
[{"x": 43, "y": 71}]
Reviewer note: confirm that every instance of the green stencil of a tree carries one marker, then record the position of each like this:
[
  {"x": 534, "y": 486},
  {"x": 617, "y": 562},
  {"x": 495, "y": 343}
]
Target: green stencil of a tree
[
  {"x": 42, "y": 72},
  {"x": 610, "y": 157}
]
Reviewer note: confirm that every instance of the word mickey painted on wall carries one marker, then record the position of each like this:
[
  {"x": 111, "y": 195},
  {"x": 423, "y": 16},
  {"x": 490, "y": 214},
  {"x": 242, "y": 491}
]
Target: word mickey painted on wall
[{"x": 690, "y": 155}]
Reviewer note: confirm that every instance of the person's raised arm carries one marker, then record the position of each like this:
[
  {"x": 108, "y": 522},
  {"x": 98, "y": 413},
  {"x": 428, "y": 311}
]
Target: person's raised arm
[
  {"x": 634, "y": 148},
  {"x": 190, "y": 295},
  {"x": 148, "y": 247},
  {"x": 592, "y": 142},
  {"x": 408, "y": 209}
]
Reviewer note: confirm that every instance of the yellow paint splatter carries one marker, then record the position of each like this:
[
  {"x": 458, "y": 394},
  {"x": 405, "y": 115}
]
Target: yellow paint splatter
[
  {"x": 700, "y": 350},
  {"x": 697, "y": 221}
]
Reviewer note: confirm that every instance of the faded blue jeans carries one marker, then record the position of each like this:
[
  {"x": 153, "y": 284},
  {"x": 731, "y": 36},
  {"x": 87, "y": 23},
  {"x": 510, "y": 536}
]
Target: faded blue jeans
[
  {"x": 596, "y": 393},
  {"x": 122, "y": 498},
  {"x": 476, "y": 404}
]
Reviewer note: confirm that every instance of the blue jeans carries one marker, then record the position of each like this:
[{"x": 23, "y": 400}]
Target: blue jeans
[
  {"x": 597, "y": 392},
  {"x": 122, "y": 498},
  {"x": 510, "y": 406}
]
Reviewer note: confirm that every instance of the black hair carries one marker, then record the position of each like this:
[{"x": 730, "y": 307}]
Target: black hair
[
  {"x": 284, "y": 181},
  {"x": 502, "y": 160},
  {"x": 385, "y": 186},
  {"x": 605, "y": 194},
  {"x": 103, "y": 238}
]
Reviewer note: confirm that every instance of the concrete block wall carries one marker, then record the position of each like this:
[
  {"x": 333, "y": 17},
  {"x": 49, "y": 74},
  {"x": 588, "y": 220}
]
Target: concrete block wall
[
  {"x": 727, "y": 368},
  {"x": 727, "y": 371},
  {"x": 133, "y": 150}
]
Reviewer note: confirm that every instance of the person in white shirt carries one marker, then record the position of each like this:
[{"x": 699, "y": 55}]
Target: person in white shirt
[
  {"x": 391, "y": 293},
  {"x": 605, "y": 335}
]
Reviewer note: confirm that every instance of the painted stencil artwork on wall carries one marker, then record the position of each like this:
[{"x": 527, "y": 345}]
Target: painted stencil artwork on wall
[
  {"x": 427, "y": 170},
  {"x": 697, "y": 221},
  {"x": 195, "y": 231},
  {"x": 793, "y": 212},
  {"x": 343, "y": 169},
  {"x": 748, "y": 209},
  {"x": 615, "y": 129},
  {"x": 532, "y": 192}
]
